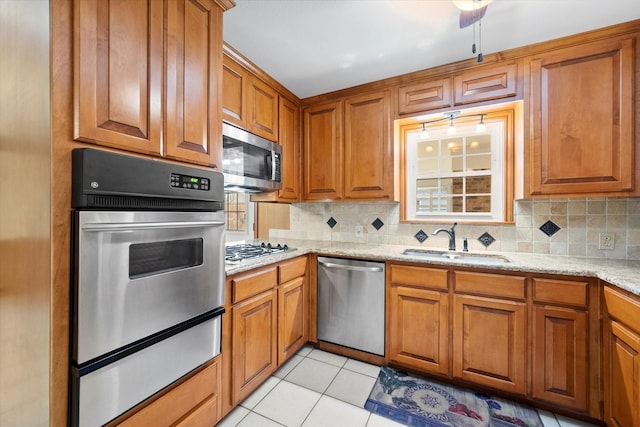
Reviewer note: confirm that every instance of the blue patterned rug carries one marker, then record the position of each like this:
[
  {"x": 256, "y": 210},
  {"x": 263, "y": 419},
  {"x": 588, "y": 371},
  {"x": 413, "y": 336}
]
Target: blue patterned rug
[{"x": 415, "y": 401}]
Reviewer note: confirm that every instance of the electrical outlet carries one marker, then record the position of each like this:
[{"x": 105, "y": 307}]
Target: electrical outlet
[
  {"x": 606, "y": 241},
  {"x": 359, "y": 231}
]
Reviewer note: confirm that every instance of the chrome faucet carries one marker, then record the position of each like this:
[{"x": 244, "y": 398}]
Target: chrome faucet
[{"x": 452, "y": 235}]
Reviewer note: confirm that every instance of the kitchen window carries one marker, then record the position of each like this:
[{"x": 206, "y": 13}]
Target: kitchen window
[
  {"x": 466, "y": 176},
  {"x": 239, "y": 212}
]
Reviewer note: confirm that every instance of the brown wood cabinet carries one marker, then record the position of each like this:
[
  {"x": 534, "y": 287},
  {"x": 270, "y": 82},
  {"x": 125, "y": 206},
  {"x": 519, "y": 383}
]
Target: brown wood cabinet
[
  {"x": 579, "y": 123},
  {"x": 268, "y": 324},
  {"x": 235, "y": 80},
  {"x": 247, "y": 101},
  {"x": 289, "y": 139},
  {"x": 124, "y": 52},
  {"x": 418, "y": 317},
  {"x": 348, "y": 150},
  {"x": 490, "y": 332},
  {"x": 425, "y": 96},
  {"x": 486, "y": 83},
  {"x": 254, "y": 330},
  {"x": 293, "y": 307},
  {"x": 322, "y": 148},
  {"x": 621, "y": 358},
  {"x": 194, "y": 401},
  {"x": 478, "y": 84},
  {"x": 560, "y": 353}
]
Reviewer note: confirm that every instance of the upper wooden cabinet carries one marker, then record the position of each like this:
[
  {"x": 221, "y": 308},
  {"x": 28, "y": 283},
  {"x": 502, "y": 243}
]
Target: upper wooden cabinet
[
  {"x": 262, "y": 109},
  {"x": 120, "y": 67},
  {"x": 424, "y": 96},
  {"x": 484, "y": 83},
  {"x": 579, "y": 124},
  {"x": 249, "y": 102},
  {"x": 348, "y": 150},
  {"x": 289, "y": 139},
  {"x": 234, "y": 92},
  {"x": 322, "y": 148}
]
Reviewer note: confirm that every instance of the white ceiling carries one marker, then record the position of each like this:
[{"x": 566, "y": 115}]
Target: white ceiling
[{"x": 317, "y": 46}]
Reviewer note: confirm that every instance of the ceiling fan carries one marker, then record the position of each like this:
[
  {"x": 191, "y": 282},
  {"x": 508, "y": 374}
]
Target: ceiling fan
[{"x": 472, "y": 11}]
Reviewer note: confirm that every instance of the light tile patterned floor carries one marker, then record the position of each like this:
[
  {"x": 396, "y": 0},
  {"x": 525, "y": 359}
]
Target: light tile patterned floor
[{"x": 319, "y": 389}]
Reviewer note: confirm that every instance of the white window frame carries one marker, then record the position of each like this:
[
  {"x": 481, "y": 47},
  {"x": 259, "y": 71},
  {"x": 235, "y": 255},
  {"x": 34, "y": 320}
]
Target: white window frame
[{"x": 495, "y": 127}]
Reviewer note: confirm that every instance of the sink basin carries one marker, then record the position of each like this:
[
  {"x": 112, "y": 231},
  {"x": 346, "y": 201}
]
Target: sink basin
[{"x": 483, "y": 259}]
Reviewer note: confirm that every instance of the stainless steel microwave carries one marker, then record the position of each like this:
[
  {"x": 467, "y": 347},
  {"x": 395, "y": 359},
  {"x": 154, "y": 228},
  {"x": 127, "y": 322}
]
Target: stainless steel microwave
[{"x": 249, "y": 162}]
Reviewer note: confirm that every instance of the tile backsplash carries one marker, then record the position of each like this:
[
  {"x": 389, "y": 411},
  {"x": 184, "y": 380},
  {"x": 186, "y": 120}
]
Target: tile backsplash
[{"x": 550, "y": 226}]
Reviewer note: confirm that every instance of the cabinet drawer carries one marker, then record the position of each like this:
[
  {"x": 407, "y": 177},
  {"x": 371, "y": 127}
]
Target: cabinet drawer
[
  {"x": 485, "y": 84},
  {"x": 622, "y": 308},
  {"x": 291, "y": 269},
  {"x": 497, "y": 285},
  {"x": 424, "y": 96},
  {"x": 422, "y": 276},
  {"x": 246, "y": 285},
  {"x": 200, "y": 390},
  {"x": 560, "y": 291}
]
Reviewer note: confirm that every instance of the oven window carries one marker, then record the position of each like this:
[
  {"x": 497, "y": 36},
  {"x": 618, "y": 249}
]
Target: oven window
[{"x": 146, "y": 259}]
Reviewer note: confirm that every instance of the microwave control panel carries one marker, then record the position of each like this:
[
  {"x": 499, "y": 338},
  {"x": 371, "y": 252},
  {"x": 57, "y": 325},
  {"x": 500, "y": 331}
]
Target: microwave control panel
[{"x": 189, "y": 182}]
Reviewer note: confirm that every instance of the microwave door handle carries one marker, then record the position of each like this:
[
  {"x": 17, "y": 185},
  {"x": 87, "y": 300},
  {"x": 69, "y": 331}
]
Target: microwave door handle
[
  {"x": 150, "y": 225},
  {"x": 270, "y": 164}
]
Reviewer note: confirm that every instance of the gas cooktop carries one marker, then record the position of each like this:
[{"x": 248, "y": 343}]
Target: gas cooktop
[{"x": 237, "y": 253}]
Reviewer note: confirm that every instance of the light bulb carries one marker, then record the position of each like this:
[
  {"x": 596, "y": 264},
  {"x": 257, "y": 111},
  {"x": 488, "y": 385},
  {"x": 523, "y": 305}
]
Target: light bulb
[
  {"x": 452, "y": 129},
  {"x": 424, "y": 134},
  {"x": 481, "y": 126}
]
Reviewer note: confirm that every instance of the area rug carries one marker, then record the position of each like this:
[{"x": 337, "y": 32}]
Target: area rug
[{"x": 421, "y": 402}]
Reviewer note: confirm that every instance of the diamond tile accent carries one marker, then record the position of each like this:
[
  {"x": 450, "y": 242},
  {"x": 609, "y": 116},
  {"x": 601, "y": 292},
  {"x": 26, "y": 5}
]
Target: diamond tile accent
[
  {"x": 421, "y": 236},
  {"x": 377, "y": 224},
  {"x": 332, "y": 222},
  {"x": 486, "y": 239},
  {"x": 549, "y": 228}
]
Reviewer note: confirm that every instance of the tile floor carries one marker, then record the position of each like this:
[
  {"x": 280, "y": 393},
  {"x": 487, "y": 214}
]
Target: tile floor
[{"x": 319, "y": 389}]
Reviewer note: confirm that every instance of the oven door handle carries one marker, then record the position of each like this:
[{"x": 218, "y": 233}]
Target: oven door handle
[{"x": 117, "y": 226}]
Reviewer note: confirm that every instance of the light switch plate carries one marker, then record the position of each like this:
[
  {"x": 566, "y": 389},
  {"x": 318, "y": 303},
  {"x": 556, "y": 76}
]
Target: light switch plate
[{"x": 359, "y": 231}]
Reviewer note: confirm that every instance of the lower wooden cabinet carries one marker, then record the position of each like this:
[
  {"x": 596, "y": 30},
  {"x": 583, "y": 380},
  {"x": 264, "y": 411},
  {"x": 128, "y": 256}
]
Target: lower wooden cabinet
[
  {"x": 254, "y": 348},
  {"x": 560, "y": 342},
  {"x": 268, "y": 324},
  {"x": 418, "y": 307},
  {"x": 621, "y": 359},
  {"x": 194, "y": 402},
  {"x": 490, "y": 342}
]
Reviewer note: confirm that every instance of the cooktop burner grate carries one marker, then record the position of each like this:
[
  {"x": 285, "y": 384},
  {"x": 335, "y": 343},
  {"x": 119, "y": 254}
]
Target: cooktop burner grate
[{"x": 243, "y": 251}]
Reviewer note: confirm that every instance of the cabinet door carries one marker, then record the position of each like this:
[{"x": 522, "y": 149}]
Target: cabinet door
[
  {"x": 292, "y": 318},
  {"x": 621, "y": 376},
  {"x": 234, "y": 92},
  {"x": 560, "y": 357},
  {"x": 419, "y": 328},
  {"x": 489, "y": 342},
  {"x": 289, "y": 139},
  {"x": 485, "y": 83},
  {"x": 193, "y": 79},
  {"x": 262, "y": 108},
  {"x": 323, "y": 151},
  {"x": 254, "y": 344},
  {"x": 580, "y": 114},
  {"x": 424, "y": 96},
  {"x": 118, "y": 74},
  {"x": 368, "y": 150}
]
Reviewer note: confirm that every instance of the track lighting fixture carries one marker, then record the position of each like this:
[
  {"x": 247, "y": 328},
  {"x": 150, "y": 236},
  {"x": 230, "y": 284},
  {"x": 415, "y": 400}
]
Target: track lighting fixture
[{"x": 451, "y": 116}]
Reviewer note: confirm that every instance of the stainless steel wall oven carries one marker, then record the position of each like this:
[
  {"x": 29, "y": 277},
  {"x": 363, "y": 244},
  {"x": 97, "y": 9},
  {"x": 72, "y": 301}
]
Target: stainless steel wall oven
[{"x": 147, "y": 282}]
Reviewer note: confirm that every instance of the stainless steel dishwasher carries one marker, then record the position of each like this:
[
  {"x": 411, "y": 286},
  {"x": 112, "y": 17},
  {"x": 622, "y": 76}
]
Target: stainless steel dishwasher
[{"x": 351, "y": 303}]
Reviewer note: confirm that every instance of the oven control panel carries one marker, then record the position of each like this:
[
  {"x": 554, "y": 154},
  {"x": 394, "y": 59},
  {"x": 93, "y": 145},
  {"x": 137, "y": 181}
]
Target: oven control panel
[{"x": 189, "y": 182}]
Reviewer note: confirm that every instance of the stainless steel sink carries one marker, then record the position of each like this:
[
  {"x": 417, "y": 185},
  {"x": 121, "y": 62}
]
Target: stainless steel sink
[{"x": 483, "y": 259}]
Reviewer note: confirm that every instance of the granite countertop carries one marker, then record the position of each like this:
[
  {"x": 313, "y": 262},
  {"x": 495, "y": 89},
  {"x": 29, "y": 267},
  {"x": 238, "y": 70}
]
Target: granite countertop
[{"x": 622, "y": 273}]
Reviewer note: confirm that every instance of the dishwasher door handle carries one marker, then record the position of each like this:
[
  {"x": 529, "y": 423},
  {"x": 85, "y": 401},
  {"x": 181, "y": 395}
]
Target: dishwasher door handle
[{"x": 350, "y": 267}]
